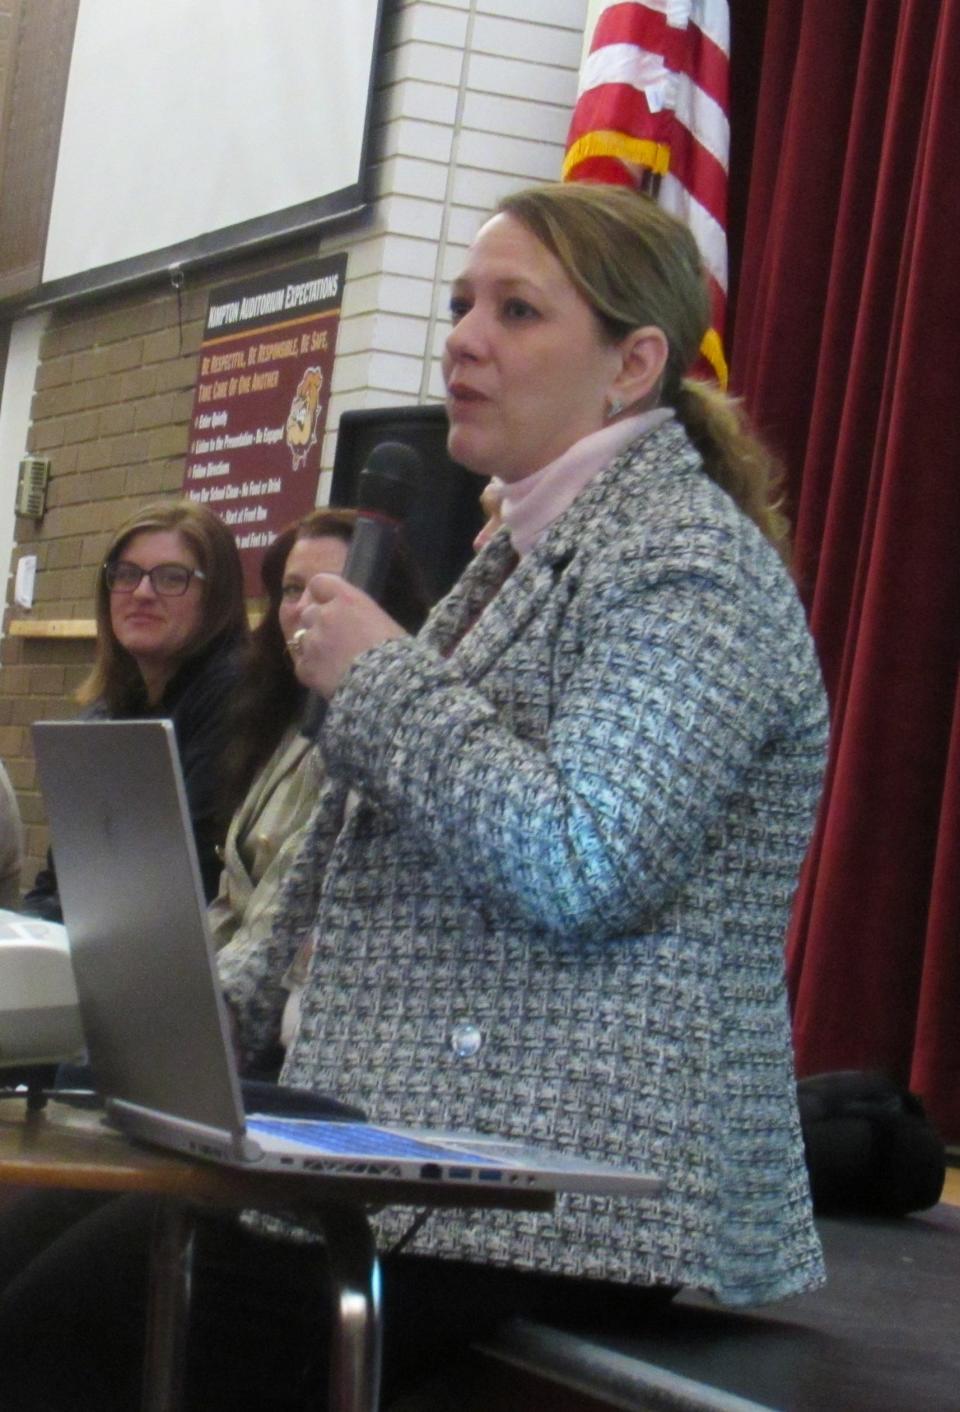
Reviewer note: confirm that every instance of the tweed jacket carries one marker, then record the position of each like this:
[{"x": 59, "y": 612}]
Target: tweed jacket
[{"x": 558, "y": 910}]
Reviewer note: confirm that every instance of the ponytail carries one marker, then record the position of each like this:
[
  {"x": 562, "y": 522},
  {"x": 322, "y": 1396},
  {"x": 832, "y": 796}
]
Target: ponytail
[{"x": 734, "y": 457}]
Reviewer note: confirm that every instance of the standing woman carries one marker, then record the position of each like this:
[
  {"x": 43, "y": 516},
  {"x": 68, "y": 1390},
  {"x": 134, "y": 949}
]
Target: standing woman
[
  {"x": 545, "y": 890},
  {"x": 170, "y": 625},
  {"x": 585, "y": 792}
]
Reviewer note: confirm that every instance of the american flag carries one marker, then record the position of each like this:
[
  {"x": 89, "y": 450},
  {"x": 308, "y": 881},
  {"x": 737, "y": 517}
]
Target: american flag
[{"x": 652, "y": 110}]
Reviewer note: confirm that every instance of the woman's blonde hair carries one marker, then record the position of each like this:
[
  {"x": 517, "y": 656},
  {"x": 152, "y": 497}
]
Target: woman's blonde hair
[
  {"x": 115, "y": 678},
  {"x": 637, "y": 265}
]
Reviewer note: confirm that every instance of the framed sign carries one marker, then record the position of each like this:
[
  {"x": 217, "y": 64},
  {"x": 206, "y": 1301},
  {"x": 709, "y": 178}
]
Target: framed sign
[{"x": 261, "y": 399}]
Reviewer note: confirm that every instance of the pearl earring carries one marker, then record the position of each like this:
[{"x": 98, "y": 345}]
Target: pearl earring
[{"x": 614, "y": 408}]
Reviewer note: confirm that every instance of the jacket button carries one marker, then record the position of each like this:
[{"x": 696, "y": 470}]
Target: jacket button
[{"x": 465, "y": 1040}]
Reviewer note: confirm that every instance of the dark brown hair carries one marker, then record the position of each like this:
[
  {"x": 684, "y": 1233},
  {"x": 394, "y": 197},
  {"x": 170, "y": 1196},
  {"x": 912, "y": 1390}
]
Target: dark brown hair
[
  {"x": 115, "y": 677},
  {"x": 270, "y": 698}
]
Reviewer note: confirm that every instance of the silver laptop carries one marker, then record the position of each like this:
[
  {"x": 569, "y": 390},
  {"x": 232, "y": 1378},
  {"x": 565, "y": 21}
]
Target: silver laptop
[{"x": 153, "y": 1016}]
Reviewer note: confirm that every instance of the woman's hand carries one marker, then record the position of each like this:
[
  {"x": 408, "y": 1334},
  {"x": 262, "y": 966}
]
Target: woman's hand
[{"x": 340, "y": 622}]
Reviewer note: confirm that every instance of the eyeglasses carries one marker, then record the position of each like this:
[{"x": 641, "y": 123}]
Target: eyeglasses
[{"x": 168, "y": 580}]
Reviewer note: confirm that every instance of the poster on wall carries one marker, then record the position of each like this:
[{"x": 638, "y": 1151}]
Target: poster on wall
[{"x": 261, "y": 401}]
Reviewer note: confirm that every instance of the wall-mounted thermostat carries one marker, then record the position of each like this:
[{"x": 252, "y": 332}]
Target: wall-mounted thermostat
[{"x": 32, "y": 486}]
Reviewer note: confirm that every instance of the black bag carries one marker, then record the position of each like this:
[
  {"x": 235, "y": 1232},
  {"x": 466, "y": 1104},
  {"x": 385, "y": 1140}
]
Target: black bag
[{"x": 870, "y": 1148}]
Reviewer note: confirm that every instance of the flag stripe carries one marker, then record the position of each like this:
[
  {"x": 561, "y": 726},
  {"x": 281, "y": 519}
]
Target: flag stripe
[
  {"x": 718, "y": 298},
  {"x": 614, "y": 107},
  {"x": 705, "y": 119},
  {"x": 626, "y": 63},
  {"x": 710, "y": 234},
  {"x": 698, "y": 169},
  {"x": 618, "y": 111},
  {"x": 631, "y": 24},
  {"x": 653, "y": 94},
  {"x": 607, "y": 169},
  {"x": 712, "y": 17},
  {"x": 711, "y": 65}
]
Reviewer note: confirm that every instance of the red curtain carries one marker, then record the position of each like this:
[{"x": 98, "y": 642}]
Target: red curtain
[{"x": 846, "y": 350}]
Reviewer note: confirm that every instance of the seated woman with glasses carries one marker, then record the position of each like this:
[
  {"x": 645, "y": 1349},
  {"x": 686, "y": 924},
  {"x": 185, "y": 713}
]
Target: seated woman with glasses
[{"x": 170, "y": 623}]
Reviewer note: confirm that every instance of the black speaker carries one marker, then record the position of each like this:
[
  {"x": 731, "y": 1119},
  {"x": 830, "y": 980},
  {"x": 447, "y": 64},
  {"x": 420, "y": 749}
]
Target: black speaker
[{"x": 446, "y": 513}]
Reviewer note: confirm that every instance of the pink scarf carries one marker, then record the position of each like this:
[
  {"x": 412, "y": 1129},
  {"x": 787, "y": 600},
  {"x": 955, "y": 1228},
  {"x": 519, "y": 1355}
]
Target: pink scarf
[{"x": 530, "y": 506}]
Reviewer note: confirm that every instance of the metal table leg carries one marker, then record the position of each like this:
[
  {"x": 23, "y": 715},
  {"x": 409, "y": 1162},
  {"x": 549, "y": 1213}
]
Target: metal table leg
[
  {"x": 168, "y": 1307},
  {"x": 357, "y": 1334},
  {"x": 356, "y": 1337}
]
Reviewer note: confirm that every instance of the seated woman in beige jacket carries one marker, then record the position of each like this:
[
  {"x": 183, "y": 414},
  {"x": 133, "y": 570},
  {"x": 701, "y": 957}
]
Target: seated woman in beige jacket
[{"x": 271, "y": 765}]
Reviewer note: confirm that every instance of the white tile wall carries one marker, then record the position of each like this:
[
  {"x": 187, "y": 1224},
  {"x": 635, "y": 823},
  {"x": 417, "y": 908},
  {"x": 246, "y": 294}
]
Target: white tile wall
[
  {"x": 542, "y": 122},
  {"x": 432, "y": 24},
  {"x": 408, "y": 176},
  {"x": 436, "y": 63},
  {"x": 408, "y": 137},
  {"x": 452, "y": 264},
  {"x": 541, "y": 44},
  {"x": 464, "y": 222},
  {"x": 488, "y": 73},
  {"x": 401, "y": 215},
  {"x": 474, "y": 100},
  {"x": 410, "y": 256},
  {"x": 390, "y": 333},
  {"x": 390, "y": 293},
  {"x": 563, "y": 14},
  {"x": 415, "y": 99},
  {"x": 473, "y": 186},
  {"x": 537, "y": 161}
]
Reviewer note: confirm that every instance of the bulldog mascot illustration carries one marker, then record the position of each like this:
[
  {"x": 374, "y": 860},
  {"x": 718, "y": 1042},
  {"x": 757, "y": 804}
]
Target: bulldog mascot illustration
[{"x": 300, "y": 432}]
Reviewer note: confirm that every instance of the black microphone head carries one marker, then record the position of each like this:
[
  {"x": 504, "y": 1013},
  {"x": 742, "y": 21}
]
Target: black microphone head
[{"x": 390, "y": 480}]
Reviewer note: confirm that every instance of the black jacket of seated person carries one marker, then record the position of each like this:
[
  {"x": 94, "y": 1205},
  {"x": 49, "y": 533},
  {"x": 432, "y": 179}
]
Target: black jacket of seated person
[{"x": 196, "y": 700}]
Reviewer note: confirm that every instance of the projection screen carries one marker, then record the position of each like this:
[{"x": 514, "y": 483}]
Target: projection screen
[{"x": 194, "y": 128}]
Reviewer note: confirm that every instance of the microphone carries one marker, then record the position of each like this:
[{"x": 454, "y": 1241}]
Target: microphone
[{"x": 386, "y": 488}]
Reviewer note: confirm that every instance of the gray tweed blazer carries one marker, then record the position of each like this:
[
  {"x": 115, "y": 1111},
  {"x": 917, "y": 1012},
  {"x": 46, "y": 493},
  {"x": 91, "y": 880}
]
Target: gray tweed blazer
[{"x": 558, "y": 910}]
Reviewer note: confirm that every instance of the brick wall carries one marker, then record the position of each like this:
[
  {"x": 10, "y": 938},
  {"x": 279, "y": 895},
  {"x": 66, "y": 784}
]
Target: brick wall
[
  {"x": 474, "y": 100},
  {"x": 111, "y": 407}
]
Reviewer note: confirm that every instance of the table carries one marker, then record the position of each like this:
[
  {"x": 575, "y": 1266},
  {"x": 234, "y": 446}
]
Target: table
[{"x": 64, "y": 1147}]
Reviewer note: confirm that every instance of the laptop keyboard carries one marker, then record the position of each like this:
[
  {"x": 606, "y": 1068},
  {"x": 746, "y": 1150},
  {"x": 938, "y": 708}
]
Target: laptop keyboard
[{"x": 353, "y": 1139}]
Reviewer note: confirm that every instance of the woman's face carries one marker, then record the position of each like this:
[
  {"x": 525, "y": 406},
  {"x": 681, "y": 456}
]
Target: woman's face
[
  {"x": 325, "y": 555},
  {"x": 157, "y": 630},
  {"x": 526, "y": 369}
]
